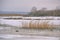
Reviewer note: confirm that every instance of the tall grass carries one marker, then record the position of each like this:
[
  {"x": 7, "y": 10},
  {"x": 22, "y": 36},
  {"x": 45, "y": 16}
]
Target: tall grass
[{"x": 38, "y": 25}]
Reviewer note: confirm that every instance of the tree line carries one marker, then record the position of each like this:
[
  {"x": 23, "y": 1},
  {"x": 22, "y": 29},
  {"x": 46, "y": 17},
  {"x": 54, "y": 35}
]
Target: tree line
[{"x": 44, "y": 12}]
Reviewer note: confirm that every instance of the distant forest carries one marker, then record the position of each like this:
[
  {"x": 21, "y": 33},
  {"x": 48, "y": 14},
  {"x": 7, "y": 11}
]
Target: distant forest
[{"x": 44, "y": 12}]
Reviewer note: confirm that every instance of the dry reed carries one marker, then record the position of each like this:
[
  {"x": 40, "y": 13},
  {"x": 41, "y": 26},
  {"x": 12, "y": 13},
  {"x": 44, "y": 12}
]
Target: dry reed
[{"x": 38, "y": 25}]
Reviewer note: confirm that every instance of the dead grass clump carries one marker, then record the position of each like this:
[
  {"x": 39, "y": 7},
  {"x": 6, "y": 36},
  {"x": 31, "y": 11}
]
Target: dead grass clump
[{"x": 42, "y": 25}]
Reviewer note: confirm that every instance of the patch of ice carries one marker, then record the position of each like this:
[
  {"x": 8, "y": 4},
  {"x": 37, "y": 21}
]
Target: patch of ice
[
  {"x": 9, "y": 36},
  {"x": 27, "y": 36},
  {"x": 1, "y": 28}
]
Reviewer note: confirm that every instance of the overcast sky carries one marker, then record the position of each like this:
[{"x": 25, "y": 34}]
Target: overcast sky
[{"x": 26, "y": 5}]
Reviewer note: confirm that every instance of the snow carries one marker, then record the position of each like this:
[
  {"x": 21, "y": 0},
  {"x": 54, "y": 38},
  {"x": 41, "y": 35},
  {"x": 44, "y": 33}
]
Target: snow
[
  {"x": 9, "y": 36},
  {"x": 19, "y": 22}
]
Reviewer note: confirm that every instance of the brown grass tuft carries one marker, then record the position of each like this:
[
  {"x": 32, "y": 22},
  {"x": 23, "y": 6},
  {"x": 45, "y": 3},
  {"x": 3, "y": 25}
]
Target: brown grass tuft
[{"x": 43, "y": 25}]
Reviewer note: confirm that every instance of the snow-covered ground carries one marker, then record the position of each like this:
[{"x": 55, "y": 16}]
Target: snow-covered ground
[
  {"x": 21, "y": 21},
  {"x": 43, "y": 17},
  {"x": 27, "y": 37}
]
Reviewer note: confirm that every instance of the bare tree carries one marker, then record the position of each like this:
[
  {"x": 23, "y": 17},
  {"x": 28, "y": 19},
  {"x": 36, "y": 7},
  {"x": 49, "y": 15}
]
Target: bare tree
[
  {"x": 44, "y": 9},
  {"x": 34, "y": 9}
]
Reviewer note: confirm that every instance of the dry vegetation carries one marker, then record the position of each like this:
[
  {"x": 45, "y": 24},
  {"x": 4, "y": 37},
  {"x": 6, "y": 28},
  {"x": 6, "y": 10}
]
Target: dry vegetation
[{"x": 37, "y": 25}]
